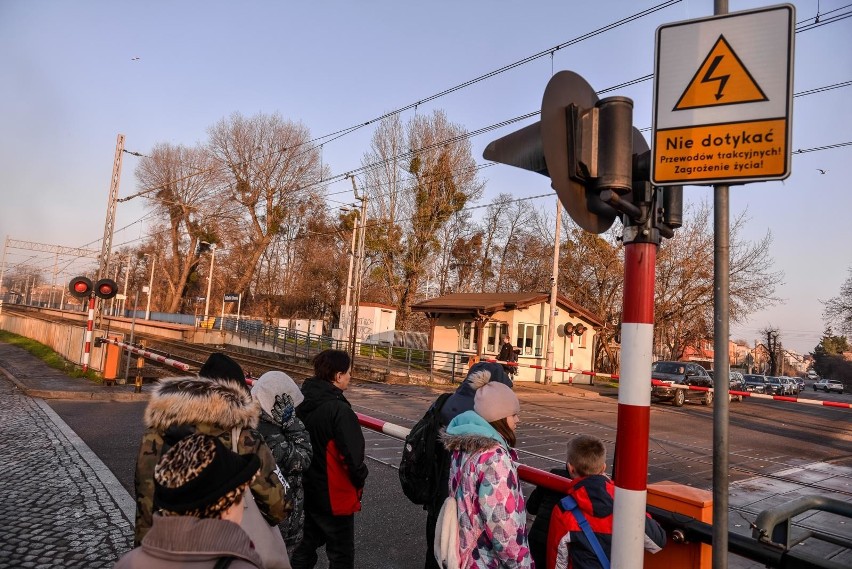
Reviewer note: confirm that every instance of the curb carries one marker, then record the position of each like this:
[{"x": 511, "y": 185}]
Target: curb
[
  {"x": 75, "y": 395},
  {"x": 84, "y": 395}
]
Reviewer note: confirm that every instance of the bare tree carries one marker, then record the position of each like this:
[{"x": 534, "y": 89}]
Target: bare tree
[
  {"x": 452, "y": 256},
  {"x": 773, "y": 346},
  {"x": 592, "y": 274},
  {"x": 272, "y": 174},
  {"x": 508, "y": 219},
  {"x": 413, "y": 193},
  {"x": 838, "y": 310},
  {"x": 179, "y": 182},
  {"x": 684, "y": 282}
]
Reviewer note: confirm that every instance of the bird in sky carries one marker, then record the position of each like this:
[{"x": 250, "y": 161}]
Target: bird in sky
[
  {"x": 820, "y": 170},
  {"x": 134, "y": 59}
]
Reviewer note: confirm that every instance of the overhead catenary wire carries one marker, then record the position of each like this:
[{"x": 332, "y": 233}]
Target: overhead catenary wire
[
  {"x": 547, "y": 52},
  {"x": 550, "y": 51},
  {"x": 481, "y": 166},
  {"x": 495, "y": 126}
]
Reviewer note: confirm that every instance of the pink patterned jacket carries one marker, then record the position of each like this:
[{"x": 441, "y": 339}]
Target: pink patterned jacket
[{"x": 484, "y": 480}]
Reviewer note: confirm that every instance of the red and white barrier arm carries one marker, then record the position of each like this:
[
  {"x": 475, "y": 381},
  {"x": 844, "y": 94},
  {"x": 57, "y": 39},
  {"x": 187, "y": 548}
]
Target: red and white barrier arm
[
  {"x": 390, "y": 429},
  {"x": 150, "y": 355},
  {"x": 753, "y": 395},
  {"x": 559, "y": 369},
  {"x": 526, "y": 473}
]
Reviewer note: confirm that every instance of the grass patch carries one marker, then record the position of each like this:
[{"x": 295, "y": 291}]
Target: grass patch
[{"x": 48, "y": 356}]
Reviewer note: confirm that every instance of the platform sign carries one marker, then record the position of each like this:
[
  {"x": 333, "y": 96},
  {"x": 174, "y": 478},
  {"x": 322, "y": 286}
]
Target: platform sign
[{"x": 723, "y": 98}]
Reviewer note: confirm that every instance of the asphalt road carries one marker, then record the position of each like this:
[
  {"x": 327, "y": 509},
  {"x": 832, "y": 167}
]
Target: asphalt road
[{"x": 769, "y": 440}]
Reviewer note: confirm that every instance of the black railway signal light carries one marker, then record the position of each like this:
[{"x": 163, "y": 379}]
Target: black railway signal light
[
  {"x": 80, "y": 287},
  {"x": 585, "y": 145},
  {"x": 106, "y": 289}
]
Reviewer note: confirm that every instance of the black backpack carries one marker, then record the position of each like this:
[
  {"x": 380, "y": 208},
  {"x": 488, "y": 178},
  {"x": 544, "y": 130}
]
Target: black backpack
[{"x": 419, "y": 467}]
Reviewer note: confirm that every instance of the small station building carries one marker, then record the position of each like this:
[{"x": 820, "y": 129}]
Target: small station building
[{"x": 474, "y": 323}]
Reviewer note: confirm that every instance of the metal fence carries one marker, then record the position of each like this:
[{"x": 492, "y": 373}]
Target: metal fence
[{"x": 382, "y": 358}]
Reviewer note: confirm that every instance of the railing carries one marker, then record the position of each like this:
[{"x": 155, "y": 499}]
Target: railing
[
  {"x": 773, "y": 523},
  {"x": 378, "y": 358}
]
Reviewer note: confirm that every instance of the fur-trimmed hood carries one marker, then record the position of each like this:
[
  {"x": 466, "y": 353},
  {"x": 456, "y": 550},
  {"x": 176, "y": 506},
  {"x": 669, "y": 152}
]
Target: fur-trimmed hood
[
  {"x": 471, "y": 433},
  {"x": 199, "y": 400}
]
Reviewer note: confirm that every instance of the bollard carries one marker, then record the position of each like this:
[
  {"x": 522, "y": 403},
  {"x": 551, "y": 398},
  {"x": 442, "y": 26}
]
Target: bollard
[
  {"x": 691, "y": 502},
  {"x": 138, "y": 384},
  {"x": 140, "y": 363}
]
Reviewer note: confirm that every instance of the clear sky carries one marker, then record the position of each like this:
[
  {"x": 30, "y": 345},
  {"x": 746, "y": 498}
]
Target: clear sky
[{"x": 71, "y": 82}]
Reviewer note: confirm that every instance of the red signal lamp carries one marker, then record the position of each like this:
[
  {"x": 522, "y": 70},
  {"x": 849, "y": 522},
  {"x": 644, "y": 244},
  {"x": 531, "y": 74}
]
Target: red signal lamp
[
  {"x": 80, "y": 287},
  {"x": 106, "y": 289}
]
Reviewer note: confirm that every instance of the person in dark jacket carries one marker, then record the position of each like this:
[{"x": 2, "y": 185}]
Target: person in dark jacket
[
  {"x": 508, "y": 354},
  {"x": 335, "y": 480},
  {"x": 540, "y": 504},
  {"x": 462, "y": 400},
  {"x": 567, "y": 545}
]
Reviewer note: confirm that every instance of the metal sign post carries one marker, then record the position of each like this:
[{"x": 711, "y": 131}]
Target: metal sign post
[{"x": 723, "y": 103}]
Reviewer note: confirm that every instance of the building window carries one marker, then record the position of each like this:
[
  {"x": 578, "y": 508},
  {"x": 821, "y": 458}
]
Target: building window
[
  {"x": 467, "y": 339},
  {"x": 494, "y": 332},
  {"x": 491, "y": 338},
  {"x": 531, "y": 339}
]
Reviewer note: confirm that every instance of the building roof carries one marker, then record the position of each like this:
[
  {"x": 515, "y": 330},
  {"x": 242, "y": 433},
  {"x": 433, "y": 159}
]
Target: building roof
[{"x": 486, "y": 304}]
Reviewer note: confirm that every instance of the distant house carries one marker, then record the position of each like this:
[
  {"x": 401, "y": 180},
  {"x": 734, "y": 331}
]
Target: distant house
[
  {"x": 701, "y": 352},
  {"x": 473, "y": 324}
]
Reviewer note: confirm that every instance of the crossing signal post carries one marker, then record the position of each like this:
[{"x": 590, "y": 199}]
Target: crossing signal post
[
  {"x": 82, "y": 287},
  {"x": 599, "y": 166}
]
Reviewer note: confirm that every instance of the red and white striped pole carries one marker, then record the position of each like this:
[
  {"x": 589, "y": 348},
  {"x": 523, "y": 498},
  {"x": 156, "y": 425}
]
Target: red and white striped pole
[
  {"x": 634, "y": 405},
  {"x": 571, "y": 351},
  {"x": 87, "y": 348}
]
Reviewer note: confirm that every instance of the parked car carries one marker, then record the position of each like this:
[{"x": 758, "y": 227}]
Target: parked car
[
  {"x": 774, "y": 386},
  {"x": 737, "y": 383},
  {"x": 755, "y": 383},
  {"x": 680, "y": 373},
  {"x": 790, "y": 385},
  {"x": 812, "y": 374},
  {"x": 829, "y": 385}
]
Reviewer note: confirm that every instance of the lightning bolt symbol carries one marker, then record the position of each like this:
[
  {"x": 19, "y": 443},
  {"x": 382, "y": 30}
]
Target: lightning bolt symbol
[{"x": 722, "y": 79}]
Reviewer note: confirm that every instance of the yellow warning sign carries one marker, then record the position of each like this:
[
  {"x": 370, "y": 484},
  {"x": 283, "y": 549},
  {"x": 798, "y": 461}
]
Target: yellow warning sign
[
  {"x": 722, "y": 79},
  {"x": 754, "y": 149}
]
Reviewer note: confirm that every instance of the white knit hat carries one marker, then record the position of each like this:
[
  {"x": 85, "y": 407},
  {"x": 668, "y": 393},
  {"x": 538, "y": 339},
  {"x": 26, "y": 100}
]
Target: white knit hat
[
  {"x": 494, "y": 401},
  {"x": 273, "y": 383}
]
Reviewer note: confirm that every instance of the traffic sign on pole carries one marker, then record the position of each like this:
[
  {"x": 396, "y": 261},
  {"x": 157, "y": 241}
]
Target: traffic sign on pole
[{"x": 723, "y": 98}]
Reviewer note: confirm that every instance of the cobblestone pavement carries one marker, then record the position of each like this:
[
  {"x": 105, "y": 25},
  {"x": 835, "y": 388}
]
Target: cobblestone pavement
[{"x": 59, "y": 505}]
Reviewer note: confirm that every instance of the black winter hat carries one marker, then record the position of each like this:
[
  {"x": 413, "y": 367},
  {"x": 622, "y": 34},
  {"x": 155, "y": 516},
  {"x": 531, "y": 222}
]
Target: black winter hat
[
  {"x": 220, "y": 366},
  {"x": 198, "y": 472}
]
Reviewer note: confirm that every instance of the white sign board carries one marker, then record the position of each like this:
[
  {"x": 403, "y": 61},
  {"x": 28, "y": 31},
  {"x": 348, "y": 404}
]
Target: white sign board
[{"x": 723, "y": 98}]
